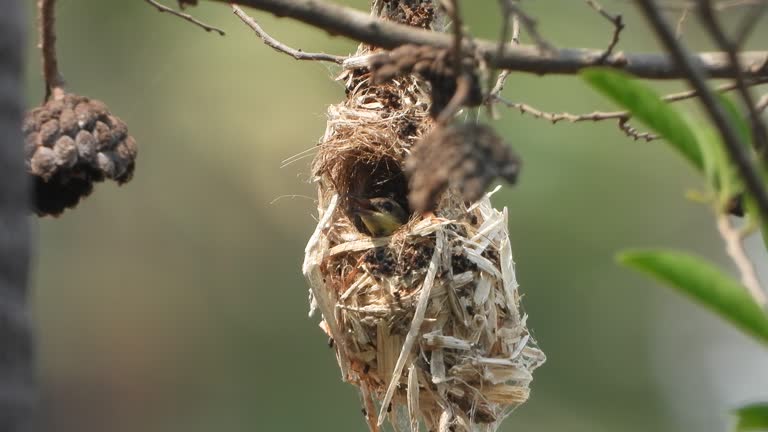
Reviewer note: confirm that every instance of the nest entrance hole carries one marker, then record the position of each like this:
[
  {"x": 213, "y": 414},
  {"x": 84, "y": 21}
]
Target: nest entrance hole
[{"x": 383, "y": 177}]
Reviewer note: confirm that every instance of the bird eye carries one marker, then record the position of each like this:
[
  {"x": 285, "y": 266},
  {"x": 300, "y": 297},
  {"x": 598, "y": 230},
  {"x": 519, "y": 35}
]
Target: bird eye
[{"x": 387, "y": 206}]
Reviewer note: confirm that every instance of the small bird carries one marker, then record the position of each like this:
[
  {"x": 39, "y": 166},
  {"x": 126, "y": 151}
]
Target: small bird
[{"x": 381, "y": 216}]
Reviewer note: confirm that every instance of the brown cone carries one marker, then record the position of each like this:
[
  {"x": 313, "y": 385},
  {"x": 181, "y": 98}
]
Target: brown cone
[
  {"x": 70, "y": 143},
  {"x": 466, "y": 156},
  {"x": 434, "y": 65}
]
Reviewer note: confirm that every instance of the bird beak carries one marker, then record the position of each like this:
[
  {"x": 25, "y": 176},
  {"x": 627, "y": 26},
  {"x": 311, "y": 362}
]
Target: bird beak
[{"x": 361, "y": 205}]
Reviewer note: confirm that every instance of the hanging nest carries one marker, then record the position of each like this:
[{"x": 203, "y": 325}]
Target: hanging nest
[{"x": 426, "y": 322}]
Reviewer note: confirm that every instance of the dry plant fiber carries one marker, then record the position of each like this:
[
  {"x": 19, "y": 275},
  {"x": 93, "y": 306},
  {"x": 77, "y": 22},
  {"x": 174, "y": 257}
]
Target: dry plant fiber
[{"x": 426, "y": 322}]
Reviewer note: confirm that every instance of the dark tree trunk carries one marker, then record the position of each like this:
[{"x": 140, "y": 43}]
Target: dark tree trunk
[{"x": 18, "y": 394}]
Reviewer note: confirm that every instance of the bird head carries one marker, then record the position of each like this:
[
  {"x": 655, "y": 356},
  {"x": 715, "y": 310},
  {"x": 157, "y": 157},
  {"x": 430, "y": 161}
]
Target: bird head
[{"x": 381, "y": 216}]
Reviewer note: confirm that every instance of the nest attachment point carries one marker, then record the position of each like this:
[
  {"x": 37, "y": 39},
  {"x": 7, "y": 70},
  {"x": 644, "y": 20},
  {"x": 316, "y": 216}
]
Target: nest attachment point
[{"x": 436, "y": 66}]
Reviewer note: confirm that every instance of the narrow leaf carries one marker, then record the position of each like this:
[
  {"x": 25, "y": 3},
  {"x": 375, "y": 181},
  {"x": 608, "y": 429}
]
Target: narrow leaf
[
  {"x": 718, "y": 169},
  {"x": 711, "y": 154},
  {"x": 752, "y": 417},
  {"x": 729, "y": 175},
  {"x": 737, "y": 119},
  {"x": 703, "y": 282},
  {"x": 648, "y": 107}
]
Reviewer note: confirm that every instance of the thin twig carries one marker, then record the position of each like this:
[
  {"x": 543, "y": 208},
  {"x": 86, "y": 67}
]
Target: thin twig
[
  {"x": 515, "y": 30},
  {"x": 718, "y": 6},
  {"x": 735, "y": 248},
  {"x": 506, "y": 19},
  {"x": 749, "y": 22},
  {"x": 727, "y": 4},
  {"x": 54, "y": 83},
  {"x": 697, "y": 79},
  {"x": 185, "y": 16},
  {"x": 618, "y": 25},
  {"x": 759, "y": 134},
  {"x": 563, "y": 116},
  {"x": 531, "y": 26},
  {"x": 281, "y": 47},
  {"x": 634, "y": 133},
  {"x": 452, "y": 8},
  {"x": 622, "y": 116},
  {"x": 681, "y": 21},
  {"x": 501, "y": 80},
  {"x": 688, "y": 94}
]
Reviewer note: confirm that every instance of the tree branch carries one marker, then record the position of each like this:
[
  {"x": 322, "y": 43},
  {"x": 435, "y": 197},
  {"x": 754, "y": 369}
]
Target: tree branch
[
  {"x": 18, "y": 395},
  {"x": 697, "y": 79},
  {"x": 622, "y": 116},
  {"x": 759, "y": 135},
  {"x": 360, "y": 26}
]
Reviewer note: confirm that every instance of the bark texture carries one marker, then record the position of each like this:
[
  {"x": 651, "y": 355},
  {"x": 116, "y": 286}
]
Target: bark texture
[{"x": 18, "y": 393}]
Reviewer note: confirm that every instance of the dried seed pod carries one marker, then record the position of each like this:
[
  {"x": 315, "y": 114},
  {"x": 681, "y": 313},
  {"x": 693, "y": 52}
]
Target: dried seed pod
[
  {"x": 415, "y": 13},
  {"x": 437, "y": 66},
  {"x": 466, "y": 156},
  {"x": 70, "y": 143}
]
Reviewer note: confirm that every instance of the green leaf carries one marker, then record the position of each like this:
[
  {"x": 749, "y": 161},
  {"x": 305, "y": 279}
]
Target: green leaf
[
  {"x": 703, "y": 282},
  {"x": 728, "y": 174},
  {"x": 752, "y": 417},
  {"x": 648, "y": 107},
  {"x": 721, "y": 174},
  {"x": 711, "y": 154},
  {"x": 737, "y": 119}
]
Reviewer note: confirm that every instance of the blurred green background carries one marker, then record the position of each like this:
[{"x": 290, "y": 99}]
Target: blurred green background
[{"x": 176, "y": 302}]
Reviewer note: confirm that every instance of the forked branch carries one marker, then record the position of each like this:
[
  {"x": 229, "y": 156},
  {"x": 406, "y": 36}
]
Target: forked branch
[
  {"x": 362, "y": 27},
  {"x": 713, "y": 27},
  {"x": 279, "y": 46},
  {"x": 697, "y": 77}
]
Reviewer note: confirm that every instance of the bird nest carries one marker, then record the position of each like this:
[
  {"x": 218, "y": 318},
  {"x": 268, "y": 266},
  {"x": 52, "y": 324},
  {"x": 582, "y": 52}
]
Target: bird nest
[{"x": 426, "y": 322}]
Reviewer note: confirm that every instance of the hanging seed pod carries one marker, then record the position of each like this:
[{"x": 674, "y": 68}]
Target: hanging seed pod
[
  {"x": 425, "y": 322},
  {"x": 70, "y": 143},
  {"x": 467, "y": 156},
  {"x": 436, "y": 66}
]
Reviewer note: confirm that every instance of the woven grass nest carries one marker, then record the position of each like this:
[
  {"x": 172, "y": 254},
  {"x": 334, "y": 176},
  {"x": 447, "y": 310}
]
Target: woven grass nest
[{"x": 426, "y": 322}]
